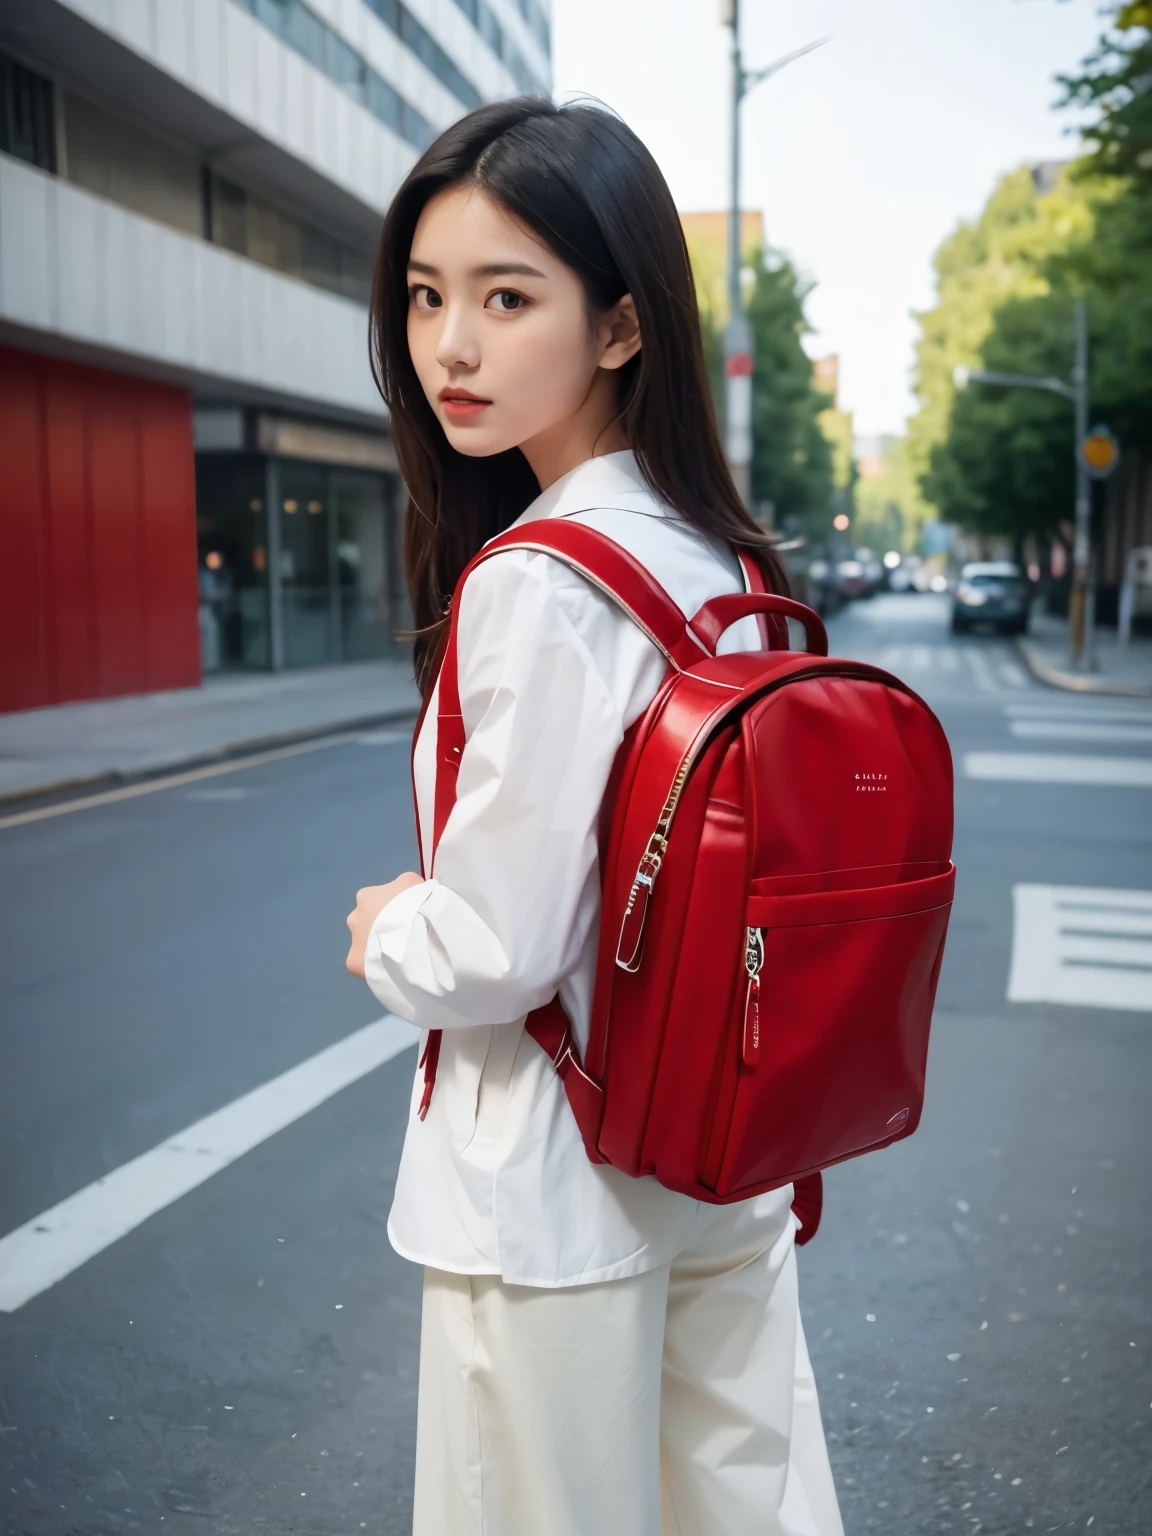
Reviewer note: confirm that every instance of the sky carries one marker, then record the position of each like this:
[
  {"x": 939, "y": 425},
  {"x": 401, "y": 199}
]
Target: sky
[{"x": 862, "y": 155}]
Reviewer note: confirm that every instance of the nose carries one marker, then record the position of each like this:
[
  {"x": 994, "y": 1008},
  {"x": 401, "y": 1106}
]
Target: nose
[{"x": 457, "y": 346}]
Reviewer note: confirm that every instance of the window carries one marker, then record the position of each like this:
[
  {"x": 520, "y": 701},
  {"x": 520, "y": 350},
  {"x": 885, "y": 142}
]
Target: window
[
  {"x": 483, "y": 19},
  {"x": 384, "y": 102},
  {"x": 132, "y": 167},
  {"x": 27, "y": 128},
  {"x": 347, "y": 68},
  {"x": 430, "y": 54},
  {"x": 303, "y": 31},
  {"x": 248, "y": 225}
]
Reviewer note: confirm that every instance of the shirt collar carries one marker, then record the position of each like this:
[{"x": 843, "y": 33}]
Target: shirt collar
[{"x": 599, "y": 482}]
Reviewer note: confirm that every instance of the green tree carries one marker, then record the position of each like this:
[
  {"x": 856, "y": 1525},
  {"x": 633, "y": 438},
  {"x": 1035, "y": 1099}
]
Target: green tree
[
  {"x": 1000, "y": 460},
  {"x": 792, "y": 465},
  {"x": 891, "y": 510},
  {"x": 791, "y": 457},
  {"x": 1114, "y": 270},
  {"x": 997, "y": 259},
  {"x": 1117, "y": 81},
  {"x": 1005, "y": 465}
]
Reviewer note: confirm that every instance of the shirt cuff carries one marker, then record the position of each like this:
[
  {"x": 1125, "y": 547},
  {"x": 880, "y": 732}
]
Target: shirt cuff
[{"x": 387, "y": 942}]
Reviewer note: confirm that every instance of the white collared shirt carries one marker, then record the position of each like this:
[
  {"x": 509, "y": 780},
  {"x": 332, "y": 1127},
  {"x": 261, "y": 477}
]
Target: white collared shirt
[{"x": 496, "y": 1180}]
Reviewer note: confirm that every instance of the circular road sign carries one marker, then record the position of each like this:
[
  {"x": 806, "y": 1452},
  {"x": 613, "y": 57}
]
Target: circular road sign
[{"x": 1099, "y": 453}]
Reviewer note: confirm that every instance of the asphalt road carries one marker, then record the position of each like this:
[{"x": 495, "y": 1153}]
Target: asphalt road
[{"x": 978, "y": 1300}]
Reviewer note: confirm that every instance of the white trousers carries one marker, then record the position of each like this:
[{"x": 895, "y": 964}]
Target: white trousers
[{"x": 674, "y": 1403}]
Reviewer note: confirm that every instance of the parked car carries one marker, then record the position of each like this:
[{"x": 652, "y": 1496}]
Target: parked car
[
  {"x": 992, "y": 592},
  {"x": 851, "y": 579},
  {"x": 820, "y": 589},
  {"x": 874, "y": 572},
  {"x": 902, "y": 572}
]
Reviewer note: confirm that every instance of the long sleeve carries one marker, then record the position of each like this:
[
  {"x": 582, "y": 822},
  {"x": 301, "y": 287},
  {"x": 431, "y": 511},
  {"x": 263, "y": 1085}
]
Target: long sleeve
[{"x": 513, "y": 892}]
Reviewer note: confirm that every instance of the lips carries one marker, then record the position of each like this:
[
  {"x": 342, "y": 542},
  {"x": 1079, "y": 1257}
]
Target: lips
[{"x": 460, "y": 404}]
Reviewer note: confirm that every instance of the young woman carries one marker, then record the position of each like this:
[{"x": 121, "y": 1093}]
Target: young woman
[{"x": 600, "y": 1356}]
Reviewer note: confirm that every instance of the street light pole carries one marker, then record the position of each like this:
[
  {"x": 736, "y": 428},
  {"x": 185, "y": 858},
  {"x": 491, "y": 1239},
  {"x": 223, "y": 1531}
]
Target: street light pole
[
  {"x": 738, "y": 333},
  {"x": 1082, "y": 599}
]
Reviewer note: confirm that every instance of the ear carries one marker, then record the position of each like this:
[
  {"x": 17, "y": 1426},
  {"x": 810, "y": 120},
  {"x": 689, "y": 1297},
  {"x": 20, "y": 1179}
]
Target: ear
[{"x": 621, "y": 333}]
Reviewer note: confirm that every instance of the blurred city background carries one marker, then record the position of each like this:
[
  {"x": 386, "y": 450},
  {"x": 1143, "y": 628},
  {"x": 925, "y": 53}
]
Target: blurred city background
[{"x": 927, "y": 306}]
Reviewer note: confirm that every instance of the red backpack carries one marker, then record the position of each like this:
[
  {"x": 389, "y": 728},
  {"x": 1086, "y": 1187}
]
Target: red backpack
[{"x": 777, "y": 880}]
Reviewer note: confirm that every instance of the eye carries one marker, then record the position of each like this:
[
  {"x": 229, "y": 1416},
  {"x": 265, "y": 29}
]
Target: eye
[
  {"x": 507, "y": 300},
  {"x": 422, "y": 297}
]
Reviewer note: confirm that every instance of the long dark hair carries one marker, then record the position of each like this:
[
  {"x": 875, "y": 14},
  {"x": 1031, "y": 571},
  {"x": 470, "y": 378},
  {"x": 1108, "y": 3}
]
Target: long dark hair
[{"x": 582, "y": 181}]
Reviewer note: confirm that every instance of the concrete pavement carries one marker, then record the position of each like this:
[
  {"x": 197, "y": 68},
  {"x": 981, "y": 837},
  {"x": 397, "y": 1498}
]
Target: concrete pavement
[
  {"x": 107, "y": 741},
  {"x": 1120, "y": 671}
]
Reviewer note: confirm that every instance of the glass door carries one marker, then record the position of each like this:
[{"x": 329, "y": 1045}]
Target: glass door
[
  {"x": 232, "y": 540},
  {"x": 311, "y": 626},
  {"x": 367, "y": 569}
]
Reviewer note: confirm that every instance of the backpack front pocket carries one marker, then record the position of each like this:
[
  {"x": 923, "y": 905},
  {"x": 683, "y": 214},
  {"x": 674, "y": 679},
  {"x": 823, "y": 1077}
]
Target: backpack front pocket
[{"x": 842, "y": 1015}]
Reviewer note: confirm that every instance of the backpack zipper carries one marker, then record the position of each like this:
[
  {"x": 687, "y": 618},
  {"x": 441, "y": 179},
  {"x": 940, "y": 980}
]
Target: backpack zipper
[
  {"x": 632, "y": 927},
  {"x": 753, "y": 961}
]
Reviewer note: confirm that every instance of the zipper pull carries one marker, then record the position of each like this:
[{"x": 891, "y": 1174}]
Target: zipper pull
[
  {"x": 753, "y": 960},
  {"x": 632, "y": 927}
]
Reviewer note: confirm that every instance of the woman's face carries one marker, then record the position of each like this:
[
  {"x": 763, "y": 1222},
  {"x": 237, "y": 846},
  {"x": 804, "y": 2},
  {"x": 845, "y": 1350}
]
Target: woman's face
[{"x": 499, "y": 330}]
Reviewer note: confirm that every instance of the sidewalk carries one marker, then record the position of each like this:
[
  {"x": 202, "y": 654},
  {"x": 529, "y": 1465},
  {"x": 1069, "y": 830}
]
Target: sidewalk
[
  {"x": 49, "y": 751},
  {"x": 1120, "y": 672}
]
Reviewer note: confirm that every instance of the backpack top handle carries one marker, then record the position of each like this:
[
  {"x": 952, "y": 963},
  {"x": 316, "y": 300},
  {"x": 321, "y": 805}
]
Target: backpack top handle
[{"x": 720, "y": 613}]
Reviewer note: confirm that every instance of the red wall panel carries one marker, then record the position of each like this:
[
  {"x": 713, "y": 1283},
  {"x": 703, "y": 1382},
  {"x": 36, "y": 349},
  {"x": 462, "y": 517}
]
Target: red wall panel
[
  {"x": 71, "y": 635},
  {"x": 24, "y": 667},
  {"x": 97, "y": 534},
  {"x": 117, "y": 579},
  {"x": 167, "y": 490}
]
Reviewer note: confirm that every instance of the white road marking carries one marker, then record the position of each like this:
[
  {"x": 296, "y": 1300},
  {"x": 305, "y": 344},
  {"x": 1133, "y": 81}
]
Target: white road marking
[
  {"x": 1040, "y": 768},
  {"x": 53, "y": 1244},
  {"x": 1080, "y": 730},
  {"x": 980, "y": 669},
  {"x": 382, "y": 738},
  {"x": 1081, "y": 945},
  {"x": 1085, "y": 709},
  {"x": 991, "y": 672},
  {"x": 217, "y": 794},
  {"x": 1012, "y": 673}
]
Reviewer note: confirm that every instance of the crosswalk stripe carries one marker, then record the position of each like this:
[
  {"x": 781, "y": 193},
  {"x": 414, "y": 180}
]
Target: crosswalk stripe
[
  {"x": 1079, "y": 730},
  {"x": 1043, "y": 768},
  {"x": 947, "y": 658},
  {"x": 1081, "y": 945},
  {"x": 992, "y": 670},
  {"x": 1014, "y": 674},
  {"x": 981, "y": 671},
  {"x": 1083, "y": 709}
]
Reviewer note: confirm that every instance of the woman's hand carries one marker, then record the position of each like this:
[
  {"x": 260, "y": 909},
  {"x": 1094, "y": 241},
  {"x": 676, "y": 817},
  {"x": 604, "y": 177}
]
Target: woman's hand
[{"x": 370, "y": 902}]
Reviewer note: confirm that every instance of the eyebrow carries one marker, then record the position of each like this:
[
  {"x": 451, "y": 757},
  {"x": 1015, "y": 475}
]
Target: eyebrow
[{"x": 491, "y": 269}]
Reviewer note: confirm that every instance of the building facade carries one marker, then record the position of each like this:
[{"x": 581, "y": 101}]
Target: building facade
[{"x": 195, "y": 468}]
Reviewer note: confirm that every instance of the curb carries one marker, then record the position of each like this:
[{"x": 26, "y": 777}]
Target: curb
[
  {"x": 1073, "y": 682},
  {"x": 118, "y": 778}
]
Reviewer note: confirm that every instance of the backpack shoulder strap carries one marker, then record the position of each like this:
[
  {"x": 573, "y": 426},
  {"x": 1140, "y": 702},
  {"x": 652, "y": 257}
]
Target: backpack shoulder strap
[
  {"x": 618, "y": 574},
  {"x": 608, "y": 566},
  {"x": 773, "y": 630}
]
